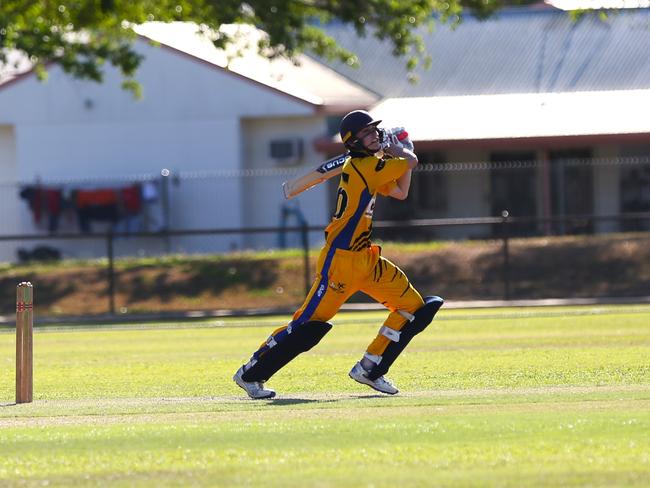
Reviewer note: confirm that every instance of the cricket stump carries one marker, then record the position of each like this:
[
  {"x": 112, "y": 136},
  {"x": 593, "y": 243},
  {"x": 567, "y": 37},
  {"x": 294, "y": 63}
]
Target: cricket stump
[{"x": 24, "y": 344}]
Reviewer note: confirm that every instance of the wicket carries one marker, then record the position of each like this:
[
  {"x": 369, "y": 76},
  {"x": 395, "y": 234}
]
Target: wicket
[{"x": 24, "y": 333}]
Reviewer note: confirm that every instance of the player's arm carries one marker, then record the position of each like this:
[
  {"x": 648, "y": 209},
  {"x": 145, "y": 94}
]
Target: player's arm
[
  {"x": 394, "y": 180},
  {"x": 401, "y": 152},
  {"x": 400, "y": 190}
]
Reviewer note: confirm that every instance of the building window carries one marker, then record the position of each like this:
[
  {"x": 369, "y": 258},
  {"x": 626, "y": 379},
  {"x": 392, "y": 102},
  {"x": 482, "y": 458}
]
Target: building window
[
  {"x": 333, "y": 123},
  {"x": 513, "y": 188},
  {"x": 635, "y": 195},
  {"x": 430, "y": 186}
]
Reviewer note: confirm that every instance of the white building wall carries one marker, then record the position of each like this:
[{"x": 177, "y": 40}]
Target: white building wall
[
  {"x": 14, "y": 216},
  {"x": 7, "y": 154},
  {"x": 263, "y": 199},
  {"x": 176, "y": 87},
  {"x": 188, "y": 121}
]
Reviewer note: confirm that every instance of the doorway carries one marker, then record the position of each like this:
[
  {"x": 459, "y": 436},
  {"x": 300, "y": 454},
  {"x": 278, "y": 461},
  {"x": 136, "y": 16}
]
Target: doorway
[
  {"x": 513, "y": 189},
  {"x": 572, "y": 190}
]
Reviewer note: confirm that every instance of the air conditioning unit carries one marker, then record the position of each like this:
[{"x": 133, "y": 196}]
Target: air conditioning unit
[{"x": 286, "y": 151}]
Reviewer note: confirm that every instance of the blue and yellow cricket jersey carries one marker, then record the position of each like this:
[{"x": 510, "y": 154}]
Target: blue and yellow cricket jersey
[{"x": 362, "y": 178}]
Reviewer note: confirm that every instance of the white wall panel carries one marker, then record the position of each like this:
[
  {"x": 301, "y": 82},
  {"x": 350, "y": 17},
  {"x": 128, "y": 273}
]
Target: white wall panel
[{"x": 263, "y": 198}]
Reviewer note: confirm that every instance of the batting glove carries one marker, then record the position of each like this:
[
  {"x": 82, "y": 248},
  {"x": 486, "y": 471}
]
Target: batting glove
[{"x": 400, "y": 137}]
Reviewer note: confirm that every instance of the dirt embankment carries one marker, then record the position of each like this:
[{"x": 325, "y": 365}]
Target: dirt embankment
[{"x": 612, "y": 265}]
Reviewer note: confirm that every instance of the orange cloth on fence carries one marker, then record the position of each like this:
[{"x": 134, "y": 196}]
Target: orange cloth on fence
[
  {"x": 131, "y": 199},
  {"x": 87, "y": 198}
]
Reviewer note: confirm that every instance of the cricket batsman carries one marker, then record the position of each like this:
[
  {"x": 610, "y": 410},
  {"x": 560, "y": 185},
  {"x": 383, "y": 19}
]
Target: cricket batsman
[{"x": 380, "y": 163}]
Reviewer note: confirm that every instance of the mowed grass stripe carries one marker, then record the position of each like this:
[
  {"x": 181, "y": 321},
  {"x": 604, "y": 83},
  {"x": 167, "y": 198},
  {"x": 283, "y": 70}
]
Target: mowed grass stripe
[
  {"x": 332, "y": 406},
  {"x": 421, "y": 445}
]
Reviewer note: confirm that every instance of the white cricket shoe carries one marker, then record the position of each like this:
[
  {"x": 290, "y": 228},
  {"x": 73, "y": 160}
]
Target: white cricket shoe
[
  {"x": 255, "y": 389},
  {"x": 381, "y": 384}
]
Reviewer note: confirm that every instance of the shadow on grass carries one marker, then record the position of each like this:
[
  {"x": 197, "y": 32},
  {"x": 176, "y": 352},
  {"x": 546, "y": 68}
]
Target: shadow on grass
[
  {"x": 297, "y": 401},
  {"x": 49, "y": 292},
  {"x": 372, "y": 397},
  {"x": 195, "y": 278},
  {"x": 578, "y": 269}
]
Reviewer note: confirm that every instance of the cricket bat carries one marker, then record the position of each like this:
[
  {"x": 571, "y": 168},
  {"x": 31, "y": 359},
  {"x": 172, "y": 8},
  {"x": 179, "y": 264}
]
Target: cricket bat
[
  {"x": 330, "y": 168},
  {"x": 325, "y": 171}
]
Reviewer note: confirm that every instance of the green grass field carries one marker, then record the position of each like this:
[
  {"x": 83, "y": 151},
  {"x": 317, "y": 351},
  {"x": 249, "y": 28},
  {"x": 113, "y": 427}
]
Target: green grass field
[{"x": 507, "y": 397}]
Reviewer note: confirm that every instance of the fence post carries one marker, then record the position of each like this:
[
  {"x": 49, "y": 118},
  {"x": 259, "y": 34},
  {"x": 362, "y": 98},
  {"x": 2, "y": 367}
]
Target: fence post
[
  {"x": 164, "y": 199},
  {"x": 305, "y": 246},
  {"x": 561, "y": 195},
  {"x": 506, "y": 254},
  {"x": 111, "y": 272}
]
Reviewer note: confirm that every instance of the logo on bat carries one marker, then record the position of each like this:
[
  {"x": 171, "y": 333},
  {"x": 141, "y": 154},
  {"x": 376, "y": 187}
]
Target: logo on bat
[{"x": 332, "y": 164}]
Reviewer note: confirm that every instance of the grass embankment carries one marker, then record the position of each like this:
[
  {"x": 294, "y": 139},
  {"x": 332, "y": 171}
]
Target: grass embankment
[
  {"x": 552, "y": 397},
  {"x": 557, "y": 267}
]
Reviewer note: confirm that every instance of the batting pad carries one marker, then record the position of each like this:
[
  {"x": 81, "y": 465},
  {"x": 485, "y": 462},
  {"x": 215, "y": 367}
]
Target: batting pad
[
  {"x": 284, "y": 347},
  {"x": 423, "y": 317}
]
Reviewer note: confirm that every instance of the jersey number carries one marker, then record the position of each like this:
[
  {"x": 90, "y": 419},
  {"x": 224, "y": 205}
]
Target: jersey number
[{"x": 341, "y": 203}]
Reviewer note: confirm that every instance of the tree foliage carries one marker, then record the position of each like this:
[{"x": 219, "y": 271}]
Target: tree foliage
[{"x": 83, "y": 35}]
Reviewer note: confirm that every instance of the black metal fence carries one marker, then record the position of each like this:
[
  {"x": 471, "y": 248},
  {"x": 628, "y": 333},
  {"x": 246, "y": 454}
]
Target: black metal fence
[
  {"x": 504, "y": 226},
  {"x": 503, "y": 231}
]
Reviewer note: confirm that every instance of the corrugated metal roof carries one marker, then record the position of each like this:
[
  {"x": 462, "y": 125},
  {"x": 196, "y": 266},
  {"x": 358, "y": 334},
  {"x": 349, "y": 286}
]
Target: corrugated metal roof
[
  {"x": 518, "y": 51},
  {"x": 597, "y": 4}
]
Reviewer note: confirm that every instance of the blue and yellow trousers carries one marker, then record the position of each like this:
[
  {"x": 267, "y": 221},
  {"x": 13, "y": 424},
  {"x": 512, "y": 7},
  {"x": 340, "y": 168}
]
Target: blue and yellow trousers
[{"x": 341, "y": 273}]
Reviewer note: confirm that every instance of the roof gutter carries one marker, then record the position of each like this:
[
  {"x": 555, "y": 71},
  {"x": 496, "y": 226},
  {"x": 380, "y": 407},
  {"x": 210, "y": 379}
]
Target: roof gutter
[{"x": 331, "y": 145}]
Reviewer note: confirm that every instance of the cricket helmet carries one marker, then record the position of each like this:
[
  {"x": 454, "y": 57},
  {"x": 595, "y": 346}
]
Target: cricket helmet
[{"x": 351, "y": 124}]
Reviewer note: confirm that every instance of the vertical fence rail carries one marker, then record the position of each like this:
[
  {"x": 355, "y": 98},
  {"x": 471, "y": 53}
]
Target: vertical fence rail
[
  {"x": 166, "y": 207},
  {"x": 304, "y": 230},
  {"x": 110, "y": 253},
  {"x": 24, "y": 342},
  {"x": 506, "y": 254}
]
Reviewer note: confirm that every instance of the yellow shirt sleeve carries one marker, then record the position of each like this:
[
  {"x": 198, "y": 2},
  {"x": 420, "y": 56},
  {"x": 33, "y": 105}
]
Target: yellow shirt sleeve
[
  {"x": 387, "y": 188},
  {"x": 387, "y": 171}
]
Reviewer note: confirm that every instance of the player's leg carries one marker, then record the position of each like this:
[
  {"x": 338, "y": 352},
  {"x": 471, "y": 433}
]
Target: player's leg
[
  {"x": 410, "y": 315},
  {"x": 308, "y": 326}
]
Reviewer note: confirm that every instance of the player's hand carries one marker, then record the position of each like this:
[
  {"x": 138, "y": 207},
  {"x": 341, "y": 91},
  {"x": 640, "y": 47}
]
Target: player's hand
[
  {"x": 385, "y": 139},
  {"x": 397, "y": 142},
  {"x": 393, "y": 142},
  {"x": 400, "y": 137}
]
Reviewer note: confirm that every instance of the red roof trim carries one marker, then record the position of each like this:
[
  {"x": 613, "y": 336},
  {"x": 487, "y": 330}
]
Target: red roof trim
[
  {"x": 547, "y": 142},
  {"x": 20, "y": 77},
  {"x": 329, "y": 146}
]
